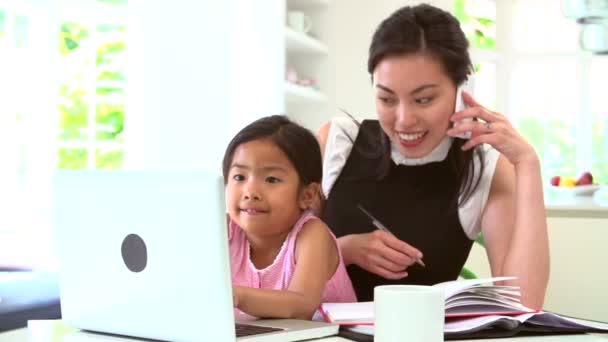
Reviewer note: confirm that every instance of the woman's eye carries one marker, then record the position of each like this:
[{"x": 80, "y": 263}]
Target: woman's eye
[
  {"x": 387, "y": 100},
  {"x": 238, "y": 178},
  {"x": 424, "y": 100},
  {"x": 272, "y": 180}
]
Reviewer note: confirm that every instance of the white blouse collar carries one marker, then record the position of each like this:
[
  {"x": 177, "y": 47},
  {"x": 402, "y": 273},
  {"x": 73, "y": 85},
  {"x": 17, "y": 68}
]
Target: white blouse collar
[{"x": 437, "y": 154}]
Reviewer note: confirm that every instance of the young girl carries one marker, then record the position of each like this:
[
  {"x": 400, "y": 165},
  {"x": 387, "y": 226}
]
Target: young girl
[{"x": 284, "y": 260}]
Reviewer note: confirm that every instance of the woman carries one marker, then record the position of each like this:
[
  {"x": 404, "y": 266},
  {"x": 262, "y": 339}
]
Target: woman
[{"x": 433, "y": 191}]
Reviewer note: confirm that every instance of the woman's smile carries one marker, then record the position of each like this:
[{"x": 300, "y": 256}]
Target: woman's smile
[{"x": 410, "y": 140}]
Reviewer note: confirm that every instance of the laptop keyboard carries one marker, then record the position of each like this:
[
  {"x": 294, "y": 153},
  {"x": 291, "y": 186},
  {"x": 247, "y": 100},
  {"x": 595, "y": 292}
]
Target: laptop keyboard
[{"x": 247, "y": 330}]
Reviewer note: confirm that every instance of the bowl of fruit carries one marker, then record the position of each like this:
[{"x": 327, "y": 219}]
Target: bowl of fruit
[{"x": 583, "y": 186}]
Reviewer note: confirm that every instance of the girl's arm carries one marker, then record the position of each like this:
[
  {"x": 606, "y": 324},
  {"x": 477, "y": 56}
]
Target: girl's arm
[
  {"x": 316, "y": 261},
  {"x": 515, "y": 228}
]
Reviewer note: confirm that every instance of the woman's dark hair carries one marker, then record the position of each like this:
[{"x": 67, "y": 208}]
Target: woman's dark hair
[
  {"x": 298, "y": 143},
  {"x": 424, "y": 29}
]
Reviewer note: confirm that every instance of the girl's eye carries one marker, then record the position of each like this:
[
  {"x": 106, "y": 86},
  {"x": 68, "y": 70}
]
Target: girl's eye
[
  {"x": 424, "y": 100},
  {"x": 238, "y": 177},
  {"x": 272, "y": 180}
]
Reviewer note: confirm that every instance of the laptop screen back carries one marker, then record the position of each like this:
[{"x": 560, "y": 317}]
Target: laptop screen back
[{"x": 144, "y": 254}]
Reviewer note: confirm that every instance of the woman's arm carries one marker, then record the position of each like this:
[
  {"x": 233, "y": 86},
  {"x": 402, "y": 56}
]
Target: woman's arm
[
  {"x": 316, "y": 261},
  {"x": 515, "y": 228},
  {"x": 514, "y": 221}
]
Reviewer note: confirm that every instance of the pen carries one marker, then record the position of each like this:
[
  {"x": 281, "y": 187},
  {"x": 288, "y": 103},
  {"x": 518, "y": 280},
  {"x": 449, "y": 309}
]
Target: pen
[{"x": 380, "y": 226}]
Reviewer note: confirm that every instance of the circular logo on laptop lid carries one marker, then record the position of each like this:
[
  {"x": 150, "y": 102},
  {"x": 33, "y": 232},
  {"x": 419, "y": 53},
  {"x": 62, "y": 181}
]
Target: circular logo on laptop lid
[{"x": 134, "y": 253}]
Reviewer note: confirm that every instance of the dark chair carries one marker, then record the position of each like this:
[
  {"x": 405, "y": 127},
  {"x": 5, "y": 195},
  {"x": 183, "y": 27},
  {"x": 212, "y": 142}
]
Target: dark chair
[{"x": 27, "y": 295}]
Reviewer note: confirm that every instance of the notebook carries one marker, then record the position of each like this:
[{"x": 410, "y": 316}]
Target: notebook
[
  {"x": 463, "y": 298},
  {"x": 497, "y": 326},
  {"x": 145, "y": 254},
  {"x": 473, "y": 309}
]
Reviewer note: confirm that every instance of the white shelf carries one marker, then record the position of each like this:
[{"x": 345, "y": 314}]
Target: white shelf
[
  {"x": 302, "y": 43},
  {"x": 298, "y": 94},
  {"x": 307, "y": 4}
]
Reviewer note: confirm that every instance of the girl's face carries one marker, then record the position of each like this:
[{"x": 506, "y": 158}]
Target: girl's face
[
  {"x": 414, "y": 101},
  {"x": 263, "y": 194}
]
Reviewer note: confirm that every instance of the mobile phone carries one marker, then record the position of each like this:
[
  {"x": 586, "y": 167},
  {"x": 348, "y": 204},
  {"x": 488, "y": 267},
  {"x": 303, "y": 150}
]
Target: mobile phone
[{"x": 460, "y": 105}]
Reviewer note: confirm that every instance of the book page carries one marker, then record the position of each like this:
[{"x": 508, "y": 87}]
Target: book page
[
  {"x": 481, "y": 322},
  {"x": 362, "y": 312},
  {"x": 463, "y": 298},
  {"x": 450, "y": 288},
  {"x": 464, "y": 324}
]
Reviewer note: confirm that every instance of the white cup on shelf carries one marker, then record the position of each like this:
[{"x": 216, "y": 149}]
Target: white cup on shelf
[
  {"x": 408, "y": 313},
  {"x": 299, "y": 21}
]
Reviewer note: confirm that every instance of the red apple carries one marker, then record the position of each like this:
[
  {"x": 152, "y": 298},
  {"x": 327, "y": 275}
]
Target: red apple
[
  {"x": 585, "y": 179},
  {"x": 555, "y": 180}
]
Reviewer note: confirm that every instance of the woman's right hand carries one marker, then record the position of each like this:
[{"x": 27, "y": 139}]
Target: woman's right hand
[{"x": 379, "y": 252}]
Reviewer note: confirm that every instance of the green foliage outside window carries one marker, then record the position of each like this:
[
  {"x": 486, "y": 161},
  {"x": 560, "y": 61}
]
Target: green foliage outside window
[
  {"x": 109, "y": 120},
  {"x": 21, "y": 31},
  {"x": 554, "y": 142},
  {"x": 2, "y": 23},
  {"x": 480, "y": 31},
  {"x": 72, "y": 159},
  {"x": 114, "y": 2},
  {"x": 108, "y": 160},
  {"x": 599, "y": 168},
  {"x": 71, "y": 36},
  {"x": 109, "y": 54},
  {"x": 105, "y": 63},
  {"x": 74, "y": 117}
]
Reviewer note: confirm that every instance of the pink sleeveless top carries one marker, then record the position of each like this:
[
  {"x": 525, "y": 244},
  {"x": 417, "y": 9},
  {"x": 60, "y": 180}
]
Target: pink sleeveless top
[{"x": 278, "y": 275}]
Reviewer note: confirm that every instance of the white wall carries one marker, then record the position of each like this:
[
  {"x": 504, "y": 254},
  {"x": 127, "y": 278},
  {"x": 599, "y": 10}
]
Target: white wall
[
  {"x": 577, "y": 284},
  {"x": 207, "y": 68},
  {"x": 354, "y": 25}
]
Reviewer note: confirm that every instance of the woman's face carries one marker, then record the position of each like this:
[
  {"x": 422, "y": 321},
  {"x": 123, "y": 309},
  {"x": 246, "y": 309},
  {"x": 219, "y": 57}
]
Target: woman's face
[{"x": 414, "y": 101}]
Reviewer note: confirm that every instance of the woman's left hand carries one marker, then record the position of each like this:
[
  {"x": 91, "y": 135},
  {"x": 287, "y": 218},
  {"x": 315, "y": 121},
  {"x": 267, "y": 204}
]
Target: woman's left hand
[{"x": 495, "y": 130}]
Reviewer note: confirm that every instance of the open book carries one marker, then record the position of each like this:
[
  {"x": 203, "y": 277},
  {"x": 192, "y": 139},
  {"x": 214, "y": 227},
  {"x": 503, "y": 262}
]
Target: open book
[
  {"x": 494, "y": 326},
  {"x": 463, "y": 298},
  {"x": 473, "y": 309}
]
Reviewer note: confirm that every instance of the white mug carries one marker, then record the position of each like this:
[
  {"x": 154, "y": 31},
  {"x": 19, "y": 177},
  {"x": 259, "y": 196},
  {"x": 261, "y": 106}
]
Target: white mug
[
  {"x": 408, "y": 313},
  {"x": 299, "y": 21}
]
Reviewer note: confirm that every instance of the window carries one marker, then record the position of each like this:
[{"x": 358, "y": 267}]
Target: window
[
  {"x": 556, "y": 96},
  {"x": 478, "y": 21},
  {"x": 92, "y": 89},
  {"x": 599, "y": 111},
  {"x": 551, "y": 90},
  {"x": 79, "y": 49}
]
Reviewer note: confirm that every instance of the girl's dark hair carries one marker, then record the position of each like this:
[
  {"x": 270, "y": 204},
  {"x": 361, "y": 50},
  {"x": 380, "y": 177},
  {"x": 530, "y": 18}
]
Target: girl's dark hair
[
  {"x": 298, "y": 143},
  {"x": 424, "y": 29}
]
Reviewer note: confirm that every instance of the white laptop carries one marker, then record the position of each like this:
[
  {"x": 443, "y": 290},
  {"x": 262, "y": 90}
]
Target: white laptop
[{"x": 145, "y": 254}]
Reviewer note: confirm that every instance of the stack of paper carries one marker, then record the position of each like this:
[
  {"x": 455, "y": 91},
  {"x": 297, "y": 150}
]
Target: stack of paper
[
  {"x": 474, "y": 308},
  {"x": 468, "y": 298}
]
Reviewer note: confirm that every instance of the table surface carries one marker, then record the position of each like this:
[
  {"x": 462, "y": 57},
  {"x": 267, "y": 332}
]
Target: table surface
[{"x": 42, "y": 331}]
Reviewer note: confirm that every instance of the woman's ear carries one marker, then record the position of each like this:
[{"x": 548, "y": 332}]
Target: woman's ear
[{"x": 309, "y": 195}]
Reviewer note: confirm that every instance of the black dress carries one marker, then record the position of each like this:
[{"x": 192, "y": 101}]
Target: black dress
[{"x": 417, "y": 203}]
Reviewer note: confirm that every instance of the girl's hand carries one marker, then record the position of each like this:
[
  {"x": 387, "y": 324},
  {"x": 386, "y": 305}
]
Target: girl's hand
[
  {"x": 379, "y": 252},
  {"x": 496, "y": 130}
]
